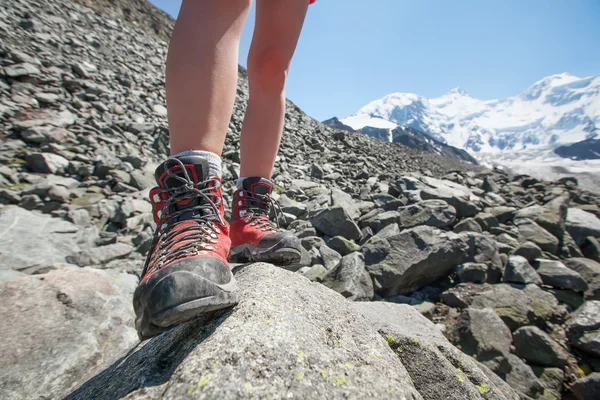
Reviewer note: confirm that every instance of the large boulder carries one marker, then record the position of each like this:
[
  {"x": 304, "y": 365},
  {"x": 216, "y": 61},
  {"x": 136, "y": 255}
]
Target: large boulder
[
  {"x": 61, "y": 328},
  {"x": 438, "y": 369},
  {"x": 583, "y": 329},
  {"x": 581, "y": 224},
  {"x": 287, "y": 337},
  {"x": 590, "y": 271},
  {"x": 30, "y": 238},
  {"x": 412, "y": 259}
]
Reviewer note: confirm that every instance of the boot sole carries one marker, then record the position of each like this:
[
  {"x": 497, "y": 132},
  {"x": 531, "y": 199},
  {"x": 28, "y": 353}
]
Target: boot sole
[
  {"x": 249, "y": 253},
  {"x": 171, "y": 297}
]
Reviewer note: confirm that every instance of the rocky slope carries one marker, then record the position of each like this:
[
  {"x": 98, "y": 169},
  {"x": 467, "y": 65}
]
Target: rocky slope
[
  {"x": 408, "y": 137},
  {"x": 506, "y": 268}
]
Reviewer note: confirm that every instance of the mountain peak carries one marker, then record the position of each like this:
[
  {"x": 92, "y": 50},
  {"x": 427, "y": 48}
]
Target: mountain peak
[
  {"x": 457, "y": 91},
  {"x": 556, "y": 80}
]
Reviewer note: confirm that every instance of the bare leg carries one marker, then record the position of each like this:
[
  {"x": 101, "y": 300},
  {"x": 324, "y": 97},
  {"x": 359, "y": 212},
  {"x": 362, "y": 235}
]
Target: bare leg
[
  {"x": 278, "y": 26},
  {"x": 202, "y": 72}
]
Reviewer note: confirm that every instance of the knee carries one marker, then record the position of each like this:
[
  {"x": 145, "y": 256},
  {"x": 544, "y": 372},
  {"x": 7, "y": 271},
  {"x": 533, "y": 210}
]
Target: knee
[{"x": 268, "y": 71}]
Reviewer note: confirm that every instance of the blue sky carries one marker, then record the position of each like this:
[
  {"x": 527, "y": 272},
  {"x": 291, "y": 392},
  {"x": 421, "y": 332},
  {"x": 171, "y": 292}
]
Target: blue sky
[{"x": 352, "y": 52}]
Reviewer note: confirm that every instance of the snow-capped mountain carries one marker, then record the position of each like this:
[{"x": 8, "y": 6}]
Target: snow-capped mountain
[{"x": 556, "y": 110}]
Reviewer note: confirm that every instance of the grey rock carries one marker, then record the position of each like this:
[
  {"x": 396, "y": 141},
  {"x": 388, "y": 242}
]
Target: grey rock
[
  {"x": 587, "y": 388},
  {"x": 472, "y": 272},
  {"x": 414, "y": 258},
  {"x": 536, "y": 346},
  {"x": 316, "y": 273},
  {"x": 581, "y": 224},
  {"x": 381, "y": 220},
  {"x": 519, "y": 306},
  {"x": 556, "y": 274},
  {"x": 8, "y": 196},
  {"x": 551, "y": 216},
  {"x": 589, "y": 270},
  {"x": 530, "y": 231},
  {"x": 502, "y": 213},
  {"x": 518, "y": 270},
  {"x": 46, "y": 163},
  {"x": 336, "y": 221},
  {"x": 583, "y": 329},
  {"x": 590, "y": 248},
  {"x": 22, "y": 69},
  {"x": 436, "y": 213},
  {"x": 30, "y": 238},
  {"x": 330, "y": 257},
  {"x": 553, "y": 381},
  {"x": 522, "y": 379},
  {"x": 483, "y": 249},
  {"x": 343, "y": 245},
  {"x": 487, "y": 221},
  {"x": 438, "y": 369},
  {"x": 100, "y": 255},
  {"x": 483, "y": 335},
  {"x": 468, "y": 225},
  {"x": 333, "y": 357},
  {"x": 350, "y": 279},
  {"x": 529, "y": 250},
  {"x": 48, "y": 348},
  {"x": 461, "y": 295},
  {"x": 340, "y": 198},
  {"x": 458, "y": 196}
]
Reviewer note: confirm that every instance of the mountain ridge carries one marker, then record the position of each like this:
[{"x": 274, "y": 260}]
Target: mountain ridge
[{"x": 556, "y": 110}]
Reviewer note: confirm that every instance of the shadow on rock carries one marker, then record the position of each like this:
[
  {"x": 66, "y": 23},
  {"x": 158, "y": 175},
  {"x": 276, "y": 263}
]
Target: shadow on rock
[{"x": 151, "y": 363}]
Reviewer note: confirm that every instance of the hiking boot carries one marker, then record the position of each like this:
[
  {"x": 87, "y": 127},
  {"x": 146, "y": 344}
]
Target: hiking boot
[
  {"x": 254, "y": 237},
  {"x": 186, "y": 271}
]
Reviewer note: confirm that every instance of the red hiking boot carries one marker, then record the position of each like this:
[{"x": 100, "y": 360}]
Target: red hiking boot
[
  {"x": 253, "y": 236},
  {"x": 186, "y": 271}
]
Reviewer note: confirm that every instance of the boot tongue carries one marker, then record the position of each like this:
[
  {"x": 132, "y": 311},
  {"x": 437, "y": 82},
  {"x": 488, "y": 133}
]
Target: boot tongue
[
  {"x": 196, "y": 168},
  {"x": 258, "y": 185}
]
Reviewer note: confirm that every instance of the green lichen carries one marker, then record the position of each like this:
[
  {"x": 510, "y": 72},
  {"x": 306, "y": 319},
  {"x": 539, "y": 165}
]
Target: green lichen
[
  {"x": 339, "y": 380},
  {"x": 324, "y": 374},
  {"x": 390, "y": 340},
  {"x": 190, "y": 389},
  {"x": 300, "y": 375},
  {"x": 460, "y": 378},
  {"x": 203, "y": 381},
  {"x": 349, "y": 365},
  {"x": 300, "y": 356},
  {"x": 248, "y": 388},
  {"x": 416, "y": 341},
  {"x": 483, "y": 388}
]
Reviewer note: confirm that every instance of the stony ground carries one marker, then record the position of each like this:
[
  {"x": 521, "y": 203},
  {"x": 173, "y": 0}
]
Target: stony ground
[{"x": 507, "y": 268}]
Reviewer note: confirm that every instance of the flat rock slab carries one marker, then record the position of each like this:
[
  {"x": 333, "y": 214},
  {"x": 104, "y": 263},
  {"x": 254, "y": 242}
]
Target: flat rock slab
[
  {"x": 287, "y": 338},
  {"x": 61, "y": 328},
  {"x": 28, "y": 238}
]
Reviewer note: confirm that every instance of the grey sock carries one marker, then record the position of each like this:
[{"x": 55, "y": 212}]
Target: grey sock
[{"x": 214, "y": 161}]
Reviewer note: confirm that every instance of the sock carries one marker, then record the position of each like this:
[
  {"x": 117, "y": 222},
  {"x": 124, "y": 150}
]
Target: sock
[
  {"x": 240, "y": 182},
  {"x": 214, "y": 161}
]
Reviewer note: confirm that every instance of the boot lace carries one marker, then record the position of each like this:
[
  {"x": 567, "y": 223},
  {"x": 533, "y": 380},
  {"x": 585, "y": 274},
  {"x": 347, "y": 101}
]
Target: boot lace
[
  {"x": 170, "y": 244},
  {"x": 257, "y": 211}
]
